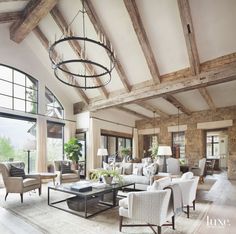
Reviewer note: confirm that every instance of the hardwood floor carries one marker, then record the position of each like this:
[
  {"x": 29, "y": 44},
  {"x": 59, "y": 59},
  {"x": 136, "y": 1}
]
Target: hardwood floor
[{"x": 221, "y": 216}]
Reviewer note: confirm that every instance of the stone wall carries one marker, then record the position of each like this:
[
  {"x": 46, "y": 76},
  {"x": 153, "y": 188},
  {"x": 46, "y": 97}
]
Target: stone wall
[{"x": 195, "y": 138}]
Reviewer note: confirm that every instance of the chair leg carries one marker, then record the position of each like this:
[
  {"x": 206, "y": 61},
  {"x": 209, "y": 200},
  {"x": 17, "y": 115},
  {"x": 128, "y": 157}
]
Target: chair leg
[
  {"x": 194, "y": 205},
  {"x": 40, "y": 191},
  {"x": 6, "y": 196},
  {"x": 21, "y": 197},
  {"x": 173, "y": 222},
  {"x": 120, "y": 224},
  {"x": 159, "y": 229},
  {"x": 188, "y": 211}
]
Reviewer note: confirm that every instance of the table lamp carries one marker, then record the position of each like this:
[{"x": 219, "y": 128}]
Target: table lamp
[
  {"x": 164, "y": 151},
  {"x": 102, "y": 152}
]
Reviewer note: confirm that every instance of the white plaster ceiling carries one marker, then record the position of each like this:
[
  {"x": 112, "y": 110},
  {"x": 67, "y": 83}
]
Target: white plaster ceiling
[
  {"x": 10, "y": 6},
  {"x": 139, "y": 109}
]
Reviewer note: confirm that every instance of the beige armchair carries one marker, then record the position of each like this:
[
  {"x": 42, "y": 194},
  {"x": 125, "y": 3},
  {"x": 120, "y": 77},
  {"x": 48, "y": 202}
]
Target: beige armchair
[
  {"x": 73, "y": 176},
  {"x": 18, "y": 184}
]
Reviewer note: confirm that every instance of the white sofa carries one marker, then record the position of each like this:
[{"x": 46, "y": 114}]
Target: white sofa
[{"x": 139, "y": 173}]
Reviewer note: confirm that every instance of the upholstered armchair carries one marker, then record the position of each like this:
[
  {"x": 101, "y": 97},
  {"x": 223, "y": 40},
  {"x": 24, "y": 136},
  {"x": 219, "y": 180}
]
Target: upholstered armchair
[
  {"x": 199, "y": 171},
  {"x": 173, "y": 166},
  {"x": 151, "y": 207},
  {"x": 188, "y": 185},
  {"x": 19, "y": 184},
  {"x": 66, "y": 176}
]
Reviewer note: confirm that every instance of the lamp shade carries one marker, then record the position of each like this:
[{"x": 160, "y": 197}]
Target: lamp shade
[
  {"x": 102, "y": 152},
  {"x": 30, "y": 145},
  {"x": 164, "y": 150}
]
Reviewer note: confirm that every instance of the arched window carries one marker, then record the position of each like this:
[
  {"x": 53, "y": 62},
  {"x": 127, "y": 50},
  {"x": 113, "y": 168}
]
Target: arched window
[
  {"x": 18, "y": 90},
  {"x": 54, "y": 107}
]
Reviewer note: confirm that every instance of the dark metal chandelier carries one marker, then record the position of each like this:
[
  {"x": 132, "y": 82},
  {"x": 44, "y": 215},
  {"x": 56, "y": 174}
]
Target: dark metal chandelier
[{"x": 82, "y": 72}]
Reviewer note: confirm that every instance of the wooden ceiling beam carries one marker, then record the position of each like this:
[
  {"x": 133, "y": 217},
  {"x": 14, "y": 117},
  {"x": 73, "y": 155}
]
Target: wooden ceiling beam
[
  {"x": 44, "y": 41},
  {"x": 143, "y": 39},
  {"x": 171, "y": 99},
  {"x": 217, "y": 76},
  {"x": 100, "y": 30},
  {"x": 205, "y": 94},
  {"x": 8, "y": 17},
  {"x": 32, "y": 14},
  {"x": 152, "y": 108},
  {"x": 62, "y": 24},
  {"x": 187, "y": 24},
  {"x": 132, "y": 112}
]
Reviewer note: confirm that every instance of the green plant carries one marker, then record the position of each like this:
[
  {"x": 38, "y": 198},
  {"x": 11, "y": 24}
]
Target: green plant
[
  {"x": 125, "y": 152},
  {"x": 73, "y": 150},
  {"x": 153, "y": 150},
  {"x": 95, "y": 175}
]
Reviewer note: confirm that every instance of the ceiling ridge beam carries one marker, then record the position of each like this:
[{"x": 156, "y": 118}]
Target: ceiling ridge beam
[
  {"x": 152, "y": 108},
  {"x": 100, "y": 30},
  {"x": 207, "y": 97},
  {"x": 171, "y": 99},
  {"x": 45, "y": 42},
  {"x": 8, "y": 17},
  {"x": 62, "y": 24},
  {"x": 132, "y": 112},
  {"x": 32, "y": 14},
  {"x": 212, "y": 77},
  {"x": 143, "y": 39},
  {"x": 187, "y": 24}
]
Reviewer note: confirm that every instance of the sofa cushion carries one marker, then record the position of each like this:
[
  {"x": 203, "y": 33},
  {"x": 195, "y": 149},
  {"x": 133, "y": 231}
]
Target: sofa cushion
[
  {"x": 187, "y": 175},
  {"x": 150, "y": 170},
  {"x": 138, "y": 169},
  {"x": 136, "y": 179},
  {"x": 29, "y": 182},
  {"x": 127, "y": 168},
  {"x": 65, "y": 168},
  {"x": 17, "y": 172},
  {"x": 69, "y": 176}
]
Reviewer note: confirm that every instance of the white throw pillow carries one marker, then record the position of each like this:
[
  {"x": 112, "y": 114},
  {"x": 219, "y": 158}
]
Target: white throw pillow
[
  {"x": 137, "y": 169},
  {"x": 187, "y": 176},
  {"x": 127, "y": 168},
  {"x": 149, "y": 170},
  {"x": 160, "y": 184},
  {"x": 107, "y": 166}
]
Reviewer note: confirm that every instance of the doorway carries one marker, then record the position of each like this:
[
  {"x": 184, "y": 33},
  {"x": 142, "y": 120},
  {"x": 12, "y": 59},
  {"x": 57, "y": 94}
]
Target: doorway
[{"x": 217, "y": 148}]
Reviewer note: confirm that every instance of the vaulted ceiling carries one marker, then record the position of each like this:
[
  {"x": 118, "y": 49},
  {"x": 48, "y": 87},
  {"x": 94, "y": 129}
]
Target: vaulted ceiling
[{"x": 171, "y": 54}]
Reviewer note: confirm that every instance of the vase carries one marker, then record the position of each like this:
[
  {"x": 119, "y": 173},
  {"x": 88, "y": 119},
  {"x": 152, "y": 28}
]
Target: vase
[{"x": 107, "y": 179}]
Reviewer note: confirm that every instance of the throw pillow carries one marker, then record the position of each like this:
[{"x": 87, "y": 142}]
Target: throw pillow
[
  {"x": 17, "y": 172},
  {"x": 107, "y": 166},
  {"x": 150, "y": 170},
  {"x": 65, "y": 168},
  {"x": 137, "y": 169},
  {"x": 127, "y": 168}
]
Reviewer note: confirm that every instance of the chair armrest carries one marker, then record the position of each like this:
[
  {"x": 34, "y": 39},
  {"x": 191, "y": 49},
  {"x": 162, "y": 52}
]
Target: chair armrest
[
  {"x": 14, "y": 184},
  {"x": 75, "y": 171},
  {"x": 34, "y": 176}
]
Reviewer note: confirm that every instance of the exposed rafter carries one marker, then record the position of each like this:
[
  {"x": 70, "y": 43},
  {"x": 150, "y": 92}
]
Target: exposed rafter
[
  {"x": 39, "y": 34},
  {"x": 62, "y": 24},
  {"x": 186, "y": 19},
  {"x": 143, "y": 39},
  {"x": 205, "y": 94},
  {"x": 9, "y": 17},
  {"x": 100, "y": 30},
  {"x": 132, "y": 112},
  {"x": 171, "y": 99},
  {"x": 221, "y": 75},
  {"x": 32, "y": 14},
  {"x": 152, "y": 108}
]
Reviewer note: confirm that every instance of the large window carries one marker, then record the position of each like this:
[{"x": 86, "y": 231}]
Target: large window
[
  {"x": 114, "y": 145},
  {"x": 15, "y": 134},
  {"x": 178, "y": 144},
  {"x": 213, "y": 146},
  {"x": 54, "y": 107},
  {"x": 82, "y": 160},
  {"x": 55, "y": 142},
  {"x": 18, "y": 91}
]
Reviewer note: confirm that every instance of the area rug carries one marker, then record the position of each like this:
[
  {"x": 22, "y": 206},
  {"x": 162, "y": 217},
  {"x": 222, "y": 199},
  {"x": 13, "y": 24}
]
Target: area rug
[
  {"x": 207, "y": 185},
  {"x": 49, "y": 220}
]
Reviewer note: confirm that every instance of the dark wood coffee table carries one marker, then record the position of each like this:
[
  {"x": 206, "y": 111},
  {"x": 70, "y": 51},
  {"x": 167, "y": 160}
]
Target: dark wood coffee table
[{"x": 90, "y": 203}]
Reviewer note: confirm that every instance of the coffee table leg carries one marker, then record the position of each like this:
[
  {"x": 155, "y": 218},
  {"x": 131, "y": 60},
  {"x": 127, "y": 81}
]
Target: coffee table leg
[
  {"x": 53, "y": 181},
  {"x": 85, "y": 207}
]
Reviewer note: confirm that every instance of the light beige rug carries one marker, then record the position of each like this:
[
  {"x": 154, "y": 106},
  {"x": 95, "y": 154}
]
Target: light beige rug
[{"x": 47, "y": 219}]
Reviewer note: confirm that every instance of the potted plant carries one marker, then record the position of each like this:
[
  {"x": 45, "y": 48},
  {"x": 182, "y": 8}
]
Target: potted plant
[
  {"x": 125, "y": 152},
  {"x": 106, "y": 175},
  {"x": 73, "y": 151},
  {"x": 153, "y": 150}
]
